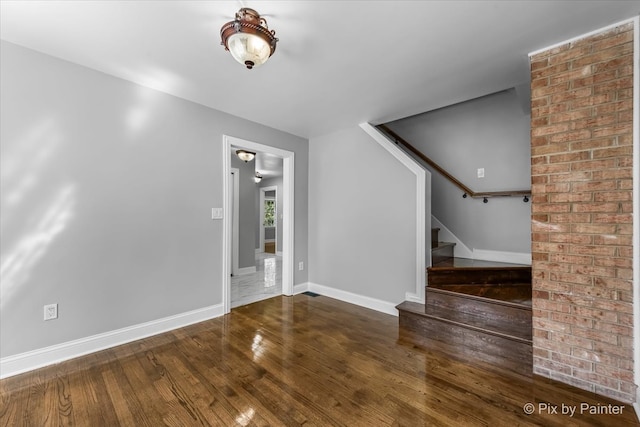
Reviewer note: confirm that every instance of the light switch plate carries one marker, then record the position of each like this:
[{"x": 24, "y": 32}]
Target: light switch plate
[{"x": 216, "y": 213}]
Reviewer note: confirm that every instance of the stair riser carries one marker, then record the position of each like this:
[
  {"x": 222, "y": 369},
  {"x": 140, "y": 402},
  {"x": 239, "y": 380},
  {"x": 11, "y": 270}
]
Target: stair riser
[
  {"x": 486, "y": 276},
  {"x": 495, "y": 311},
  {"x": 467, "y": 344},
  {"x": 434, "y": 237},
  {"x": 439, "y": 254}
]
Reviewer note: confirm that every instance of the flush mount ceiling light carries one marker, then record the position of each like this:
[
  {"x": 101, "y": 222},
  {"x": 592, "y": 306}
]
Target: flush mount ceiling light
[
  {"x": 248, "y": 38},
  {"x": 258, "y": 177},
  {"x": 245, "y": 156}
]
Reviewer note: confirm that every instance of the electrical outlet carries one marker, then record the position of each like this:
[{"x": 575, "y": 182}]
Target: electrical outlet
[
  {"x": 480, "y": 172},
  {"x": 301, "y": 266},
  {"x": 50, "y": 311}
]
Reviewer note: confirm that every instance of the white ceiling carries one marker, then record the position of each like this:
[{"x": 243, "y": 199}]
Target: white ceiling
[{"x": 338, "y": 63}]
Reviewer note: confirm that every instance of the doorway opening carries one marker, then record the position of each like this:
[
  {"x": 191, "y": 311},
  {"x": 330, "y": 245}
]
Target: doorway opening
[{"x": 285, "y": 211}]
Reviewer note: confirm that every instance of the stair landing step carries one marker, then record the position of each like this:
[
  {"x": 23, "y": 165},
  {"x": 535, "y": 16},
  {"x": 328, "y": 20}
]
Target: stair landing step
[
  {"x": 459, "y": 341},
  {"x": 512, "y": 331}
]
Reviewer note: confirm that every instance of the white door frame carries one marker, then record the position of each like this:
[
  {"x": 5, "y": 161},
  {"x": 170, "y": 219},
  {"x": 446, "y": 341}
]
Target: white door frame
[
  {"x": 262, "y": 199},
  {"x": 287, "y": 213},
  {"x": 235, "y": 231}
]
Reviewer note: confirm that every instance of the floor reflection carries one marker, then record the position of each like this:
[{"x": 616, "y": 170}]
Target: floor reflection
[{"x": 265, "y": 283}]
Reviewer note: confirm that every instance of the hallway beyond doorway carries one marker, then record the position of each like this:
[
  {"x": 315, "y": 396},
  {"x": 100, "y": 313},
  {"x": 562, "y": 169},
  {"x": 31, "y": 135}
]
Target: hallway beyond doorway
[{"x": 265, "y": 283}]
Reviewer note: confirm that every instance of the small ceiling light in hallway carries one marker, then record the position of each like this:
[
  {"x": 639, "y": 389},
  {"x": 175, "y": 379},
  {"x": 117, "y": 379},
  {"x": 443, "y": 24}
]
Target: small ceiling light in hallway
[
  {"x": 248, "y": 38},
  {"x": 258, "y": 177}
]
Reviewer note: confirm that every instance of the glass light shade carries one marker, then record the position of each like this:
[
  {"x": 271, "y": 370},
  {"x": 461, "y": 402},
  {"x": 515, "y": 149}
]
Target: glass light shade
[
  {"x": 249, "y": 49},
  {"x": 257, "y": 178},
  {"x": 245, "y": 156}
]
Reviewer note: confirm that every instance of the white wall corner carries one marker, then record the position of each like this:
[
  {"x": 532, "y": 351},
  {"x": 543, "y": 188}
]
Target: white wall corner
[
  {"x": 302, "y": 287},
  {"x": 28, "y": 361},
  {"x": 360, "y": 300},
  {"x": 423, "y": 177}
]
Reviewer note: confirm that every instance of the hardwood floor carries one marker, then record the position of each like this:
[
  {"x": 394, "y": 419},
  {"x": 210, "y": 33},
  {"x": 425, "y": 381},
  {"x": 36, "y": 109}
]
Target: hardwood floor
[{"x": 288, "y": 361}]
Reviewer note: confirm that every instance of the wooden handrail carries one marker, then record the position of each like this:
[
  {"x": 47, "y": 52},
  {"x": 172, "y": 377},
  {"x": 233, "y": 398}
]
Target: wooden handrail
[{"x": 467, "y": 191}]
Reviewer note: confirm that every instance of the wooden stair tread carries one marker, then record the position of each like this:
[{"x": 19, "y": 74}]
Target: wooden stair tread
[
  {"x": 460, "y": 263},
  {"x": 510, "y": 331},
  {"x": 443, "y": 245}
]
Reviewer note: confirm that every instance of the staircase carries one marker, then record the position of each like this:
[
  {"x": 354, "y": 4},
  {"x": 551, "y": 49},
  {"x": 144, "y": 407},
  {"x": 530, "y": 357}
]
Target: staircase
[
  {"x": 440, "y": 251},
  {"x": 474, "y": 310}
]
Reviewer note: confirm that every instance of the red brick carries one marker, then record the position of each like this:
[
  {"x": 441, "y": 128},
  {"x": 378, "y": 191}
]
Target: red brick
[
  {"x": 614, "y": 262},
  {"x": 571, "y": 340},
  {"x": 593, "y": 165},
  {"x": 548, "y": 208},
  {"x": 547, "y": 169},
  {"x": 595, "y": 314},
  {"x": 595, "y": 121},
  {"x": 612, "y": 130},
  {"x": 573, "y": 320},
  {"x": 593, "y": 186},
  {"x": 592, "y": 250},
  {"x": 577, "y": 135},
  {"x": 608, "y": 239},
  {"x": 597, "y": 337},
  {"x": 594, "y": 271},
  {"x": 590, "y": 101},
  {"x": 571, "y": 176},
  {"x": 613, "y": 152},
  {"x": 571, "y": 259},
  {"x": 570, "y": 238},
  {"x": 603, "y": 56},
  {"x": 613, "y": 85},
  {"x": 574, "y": 217},
  {"x": 609, "y": 282},
  {"x": 595, "y": 207},
  {"x": 612, "y": 174},
  {"x": 592, "y": 143},
  {"x": 571, "y": 197},
  {"x": 613, "y": 218},
  {"x": 549, "y": 71},
  {"x": 614, "y": 329},
  {"x": 614, "y": 107},
  {"x": 572, "y": 361}
]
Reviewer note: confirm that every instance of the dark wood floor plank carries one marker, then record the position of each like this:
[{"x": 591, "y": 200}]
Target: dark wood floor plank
[{"x": 283, "y": 362}]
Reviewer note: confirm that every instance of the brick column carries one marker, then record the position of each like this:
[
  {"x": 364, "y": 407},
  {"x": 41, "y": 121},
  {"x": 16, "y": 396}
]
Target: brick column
[{"x": 581, "y": 172}]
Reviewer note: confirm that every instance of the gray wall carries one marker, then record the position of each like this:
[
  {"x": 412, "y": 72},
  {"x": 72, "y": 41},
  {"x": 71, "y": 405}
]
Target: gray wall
[
  {"x": 491, "y": 133},
  {"x": 246, "y": 211},
  {"x": 106, "y": 196},
  {"x": 362, "y": 217}
]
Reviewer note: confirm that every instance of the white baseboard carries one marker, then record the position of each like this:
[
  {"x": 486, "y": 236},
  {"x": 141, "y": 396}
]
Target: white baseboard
[
  {"x": 279, "y": 253},
  {"x": 636, "y": 407},
  {"x": 413, "y": 297},
  {"x": 499, "y": 256},
  {"x": 246, "y": 270},
  {"x": 258, "y": 250},
  {"x": 303, "y": 287},
  {"x": 39, "y": 358},
  {"x": 361, "y": 300}
]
